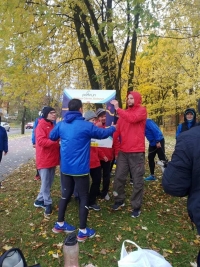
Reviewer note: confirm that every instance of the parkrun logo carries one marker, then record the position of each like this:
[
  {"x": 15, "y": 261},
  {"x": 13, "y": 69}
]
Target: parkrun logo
[{"x": 88, "y": 94}]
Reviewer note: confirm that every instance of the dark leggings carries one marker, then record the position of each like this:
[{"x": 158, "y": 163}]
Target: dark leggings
[
  {"x": 106, "y": 177},
  {"x": 153, "y": 150},
  {"x": 82, "y": 188},
  {"x": 95, "y": 174},
  {"x": 1, "y": 153}
]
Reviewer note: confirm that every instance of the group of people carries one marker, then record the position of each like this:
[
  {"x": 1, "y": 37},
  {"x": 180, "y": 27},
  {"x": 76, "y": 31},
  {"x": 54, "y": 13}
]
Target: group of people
[{"x": 68, "y": 144}]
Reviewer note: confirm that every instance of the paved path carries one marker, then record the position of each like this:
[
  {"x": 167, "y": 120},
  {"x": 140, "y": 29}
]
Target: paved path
[{"x": 20, "y": 151}]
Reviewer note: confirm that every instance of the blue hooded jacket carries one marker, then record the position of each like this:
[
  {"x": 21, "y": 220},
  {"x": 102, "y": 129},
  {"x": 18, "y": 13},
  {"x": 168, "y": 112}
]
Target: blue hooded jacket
[
  {"x": 152, "y": 132},
  {"x": 75, "y": 134},
  {"x": 186, "y": 125},
  {"x": 3, "y": 139}
]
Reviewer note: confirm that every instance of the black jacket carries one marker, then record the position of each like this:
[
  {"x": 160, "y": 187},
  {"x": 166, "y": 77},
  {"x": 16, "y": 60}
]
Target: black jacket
[{"x": 182, "y": 175}]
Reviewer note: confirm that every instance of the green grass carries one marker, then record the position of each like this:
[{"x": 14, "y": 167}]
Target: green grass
[{"x": 163, "y": 225}]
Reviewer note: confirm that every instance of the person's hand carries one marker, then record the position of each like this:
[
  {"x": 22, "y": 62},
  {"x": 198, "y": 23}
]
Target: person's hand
[
  {"x": 115, "y": 103},
  {"x": 98, "y": 124},
  {"x": 105, "y": 159},
  {"x": 5, "y": 153},
  {"x": 33, "y": 146},
  {"x": 158, "y": 145}
]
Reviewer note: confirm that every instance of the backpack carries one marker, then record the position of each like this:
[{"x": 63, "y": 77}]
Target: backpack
[{"x": 14, "y": 258}]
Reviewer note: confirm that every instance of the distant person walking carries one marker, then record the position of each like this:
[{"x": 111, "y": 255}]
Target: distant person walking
[
  {"x": 75, "y": 134},
  {"x": 189, "y": 121},
  {"x": 156, "y": 146},
  {"x": 47, "y": 158},
  {"x": 3, "y": 142}
]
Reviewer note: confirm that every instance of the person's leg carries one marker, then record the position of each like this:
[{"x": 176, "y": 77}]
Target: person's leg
[
  {"x": 106, "y": 178},
  {"x": 47, "y": 177},
  {"x": 161, "y": 151},
  {"x": 82, "y": 187},
  {"x": 120, "y": 177},
  {"x": 95, "y": 174},
  {"x": 151, "y": 156},
  {"x": 1, "y": 153},
  {"x": 67, "y": 186},
  {"x": 137, "y": 167}
]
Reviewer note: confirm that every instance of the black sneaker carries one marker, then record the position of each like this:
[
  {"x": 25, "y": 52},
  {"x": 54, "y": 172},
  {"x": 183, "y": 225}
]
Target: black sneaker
[
  {"x": 135, "y": 213},
  {"x": 39, "y": 204},
  {"x": 118, "y": 205},
  {"x": 48, "y": 210},
  {"x": 94, "y": 207}
]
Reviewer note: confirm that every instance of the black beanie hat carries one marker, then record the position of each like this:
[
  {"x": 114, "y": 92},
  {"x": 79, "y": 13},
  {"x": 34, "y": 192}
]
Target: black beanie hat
[{"x": 46, "y": 111}]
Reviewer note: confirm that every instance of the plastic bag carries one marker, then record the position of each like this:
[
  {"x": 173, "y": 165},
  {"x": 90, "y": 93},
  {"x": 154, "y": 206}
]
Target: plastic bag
[{"x": 141, "y": 258}]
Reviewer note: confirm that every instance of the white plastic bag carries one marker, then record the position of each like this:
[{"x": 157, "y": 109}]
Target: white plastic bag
[{"x": 141, "y": 258}]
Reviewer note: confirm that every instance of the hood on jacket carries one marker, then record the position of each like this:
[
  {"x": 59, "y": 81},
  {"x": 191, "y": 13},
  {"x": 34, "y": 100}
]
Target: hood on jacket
[
  {"x": 137, "y": 98},
  {"x": 192, "y": 110},
  {"x": 72, "y": 115}
]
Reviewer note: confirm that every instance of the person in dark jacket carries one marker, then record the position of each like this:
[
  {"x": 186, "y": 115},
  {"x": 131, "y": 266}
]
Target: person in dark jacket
[
  {"x": 3, "y": 142},
  {"x": 181, "y": 176},
  {"x": 156, "y": 146},
  {"x": 189, "y": 121},
  {"x": 75, "y": 134}
]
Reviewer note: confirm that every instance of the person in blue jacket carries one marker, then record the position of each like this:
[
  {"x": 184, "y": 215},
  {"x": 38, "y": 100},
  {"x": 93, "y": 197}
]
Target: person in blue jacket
[
  {"x": 156, "y": 146},
  {"x": 3, "y": 142},
  {"x": 189, "y": 121},
  {"x": 181, "y": 177},
  {"x": 75, "y": 136}
]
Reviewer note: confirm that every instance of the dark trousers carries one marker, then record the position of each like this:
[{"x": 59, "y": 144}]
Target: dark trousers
[
  {"x": 106, "y": 177},
  {"x": 135, "y": 163},
  {"x": 112, "y": 164},
  {"x": 153, "y": 151},
  {"x": 198, "y": 260},
  {"x": 82, "y": 188},
  {"x": 1, "y": 153},
  {"x": 95, "y": 174}
]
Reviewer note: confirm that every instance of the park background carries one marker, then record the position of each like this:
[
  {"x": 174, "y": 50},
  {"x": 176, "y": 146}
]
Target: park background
[
  {"x": 51, "y": 45},
  {"x": 47, "y": 46}
]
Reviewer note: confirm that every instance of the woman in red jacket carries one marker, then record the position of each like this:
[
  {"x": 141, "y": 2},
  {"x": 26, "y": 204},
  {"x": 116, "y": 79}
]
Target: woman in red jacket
[{"x": 95, "y": 166}]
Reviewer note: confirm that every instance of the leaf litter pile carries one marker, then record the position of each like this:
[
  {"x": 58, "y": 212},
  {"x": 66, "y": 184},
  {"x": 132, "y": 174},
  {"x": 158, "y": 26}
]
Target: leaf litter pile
[{"x": 163, "y": 225}]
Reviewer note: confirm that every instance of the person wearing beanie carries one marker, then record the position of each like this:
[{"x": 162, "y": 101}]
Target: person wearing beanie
[
  {"x": 189, "y": 121},
  {"x": 75, "y": 134},
  {"x": 95, "y": 166},
  {"x": 37, "y": 176},
  {"x": 107, "y": 158},
  {"x": 47, "y": 158}
]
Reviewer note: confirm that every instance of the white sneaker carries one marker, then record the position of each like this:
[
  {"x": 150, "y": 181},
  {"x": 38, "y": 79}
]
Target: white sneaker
[{"x": 107, "y": 197}]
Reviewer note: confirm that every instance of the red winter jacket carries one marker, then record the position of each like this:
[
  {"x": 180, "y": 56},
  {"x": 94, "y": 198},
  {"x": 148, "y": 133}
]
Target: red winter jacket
[
  {"x": 131, "y": 126},
  {"x": 106, "y": 151},
  {"x": 95, "y": 154},
  {"x": 47, "y": 151}
]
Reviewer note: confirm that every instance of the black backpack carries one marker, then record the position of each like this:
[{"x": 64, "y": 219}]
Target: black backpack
[{"x": 14, "y": 258}]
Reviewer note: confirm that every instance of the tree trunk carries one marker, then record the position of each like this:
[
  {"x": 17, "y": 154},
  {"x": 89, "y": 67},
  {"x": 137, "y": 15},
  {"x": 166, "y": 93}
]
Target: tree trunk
[
  {"x": 133, "y": 51},
  {"x": 23, "y": 121}
]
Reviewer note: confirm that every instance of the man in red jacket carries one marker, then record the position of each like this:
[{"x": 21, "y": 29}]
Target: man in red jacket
[
  {"x": 131, "y": 156},
  {"x": 47, "y": 158}
]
